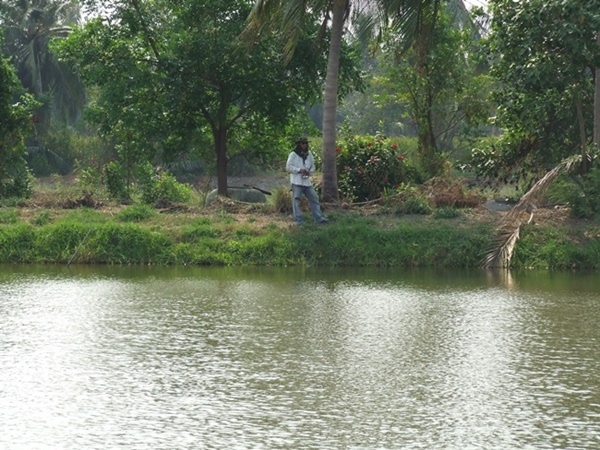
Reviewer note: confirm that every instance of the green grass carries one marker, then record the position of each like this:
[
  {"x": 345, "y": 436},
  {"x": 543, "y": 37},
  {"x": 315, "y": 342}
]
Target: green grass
[
  {"x": 8, "y": 216},
  {"x": 221, "y": 240},
  {"x": 265, "y": 236}
]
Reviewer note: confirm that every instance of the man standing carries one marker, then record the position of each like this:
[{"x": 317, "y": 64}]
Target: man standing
[{"x": 300, "y": 165}]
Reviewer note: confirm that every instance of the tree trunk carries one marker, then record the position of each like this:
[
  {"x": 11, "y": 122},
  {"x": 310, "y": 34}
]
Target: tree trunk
[
  {"x": 582, "y": 135},
  {"x": 424, "y": 106},
  {"x": 597, "y": 101},
  {"x": 220, "y": 138},
  {"x": 329, "y": 190}
]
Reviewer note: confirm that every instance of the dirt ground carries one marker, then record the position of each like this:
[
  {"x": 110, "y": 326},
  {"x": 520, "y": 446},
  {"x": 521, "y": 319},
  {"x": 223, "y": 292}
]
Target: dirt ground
[
  {"x": 481, "y": 211},
  {"x": 485, "y": 211},
  {"x": 268, "y": 182}
]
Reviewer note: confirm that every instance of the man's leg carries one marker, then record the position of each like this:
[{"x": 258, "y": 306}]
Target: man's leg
[
  {"x": 296, "y": 197},
  {"x": 315, "y": 206}
]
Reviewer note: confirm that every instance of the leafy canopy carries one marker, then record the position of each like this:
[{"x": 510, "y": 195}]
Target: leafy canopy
[
  {"x": 544, "y": 53},
  {"x": 14, "y": 123}
]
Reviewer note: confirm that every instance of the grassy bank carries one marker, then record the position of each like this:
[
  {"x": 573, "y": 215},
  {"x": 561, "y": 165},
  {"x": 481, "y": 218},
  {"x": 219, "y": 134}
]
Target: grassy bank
[
  {"x": 53, "y": 228},
  {"x": 88, "y": 236},
  {"x": 260, "y": 237}
]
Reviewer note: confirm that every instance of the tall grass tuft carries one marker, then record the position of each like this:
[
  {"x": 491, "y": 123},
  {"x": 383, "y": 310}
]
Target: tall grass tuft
[
  {"x": 282, "y": 200},
  {"x": 136, "y": 213},
  {"x": 8, "y": 215},
  {"x": 127, "y": 244},
  {"x": 17, "y": 243}
]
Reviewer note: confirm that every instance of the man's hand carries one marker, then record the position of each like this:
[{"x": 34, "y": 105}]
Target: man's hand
[{"x": 304, "y": 172}]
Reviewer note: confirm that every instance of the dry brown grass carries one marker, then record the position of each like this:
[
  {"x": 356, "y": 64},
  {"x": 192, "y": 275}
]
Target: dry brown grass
[{"x": 59, "y": 194}]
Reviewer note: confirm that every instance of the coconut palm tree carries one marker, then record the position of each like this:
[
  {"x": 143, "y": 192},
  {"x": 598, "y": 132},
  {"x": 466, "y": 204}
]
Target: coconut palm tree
[
  {"x": 407, "y": 16},
  {"x": 597, "y": 102},
  {"x": 28, "y": 27}
]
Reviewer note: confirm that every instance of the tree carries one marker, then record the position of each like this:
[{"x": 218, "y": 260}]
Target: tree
[
  {"x": 597, "y": 98},
  {"x": 29, "y": 26},
  {"x": 290, "y": 17},
  {"x": 171, "y": 74},
  {"x": 441, "y": 84},
  {"x": 14, "y": 123},
  {"x": 544, "y": 55}
]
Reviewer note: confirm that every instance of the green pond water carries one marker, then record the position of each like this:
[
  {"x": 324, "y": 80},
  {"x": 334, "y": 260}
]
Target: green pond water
[{"x": 224, "y": 358}]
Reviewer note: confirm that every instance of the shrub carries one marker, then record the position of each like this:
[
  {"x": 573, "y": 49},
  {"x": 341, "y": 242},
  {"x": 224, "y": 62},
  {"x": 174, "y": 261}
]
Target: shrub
[
  {"x": 161, "y": 187},
  {"x": 88, "y": 180},
  {"x": 116, "y": 182},
  {"x": 582, "y": 197},
  {"x": 15, "y": 113},
  {"x": 367, "y": 165}
]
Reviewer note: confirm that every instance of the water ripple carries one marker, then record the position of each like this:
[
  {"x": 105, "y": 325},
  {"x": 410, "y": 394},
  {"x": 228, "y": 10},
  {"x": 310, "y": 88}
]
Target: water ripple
[{"x": 202, "y": 362}]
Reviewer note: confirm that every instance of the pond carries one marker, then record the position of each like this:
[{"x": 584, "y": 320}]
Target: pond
[{"x": 215, "y": 358}]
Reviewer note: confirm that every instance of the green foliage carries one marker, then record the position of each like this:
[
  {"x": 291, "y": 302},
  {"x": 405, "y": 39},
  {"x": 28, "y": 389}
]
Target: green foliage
[
  {"x": 414, "y": 205},
  {"x": 199, "y": 230},
  {"x": 136, "y": 213},
  {"x": 88, "y": 180},
  {"x": 446, "y": 213},
  {"x": 29, "y": 28},
  {"x": 115, "y": 177},
  {"x": 367, "y": 165},
  {"x": 63, "y": 149},
  {"x": 400, "y": 246},
  {"x": 9, "y": 215},
  {"x": 18, "y": 179},
  {"x": 86, "y": 216},
  {"x": 16, "y": 243},
  {"x": 59, "y": 241},
  {"x": 351, "y": 240},
  {"x": 542, "y": 53},
  {"x": 550, "y": 248},
  {"x": 581, "y": 194},
  {"x": 497, "y": 167},
  {"x": 169, "y": 90},
  {"x": 42, "y": 218},
  {"x": 15, "y": 113},
  {"x": 439, "y": 86},
  {"x": 122, "y": 244},
  {"x": 158, "y": 187}
]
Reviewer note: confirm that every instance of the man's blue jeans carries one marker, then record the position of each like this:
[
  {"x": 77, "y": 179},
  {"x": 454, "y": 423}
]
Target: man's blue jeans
[{"x": 313, "y": 200}]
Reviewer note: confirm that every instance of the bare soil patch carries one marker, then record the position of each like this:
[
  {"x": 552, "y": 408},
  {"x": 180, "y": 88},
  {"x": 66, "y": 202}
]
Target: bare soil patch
[{"x": 475, "y": 208}]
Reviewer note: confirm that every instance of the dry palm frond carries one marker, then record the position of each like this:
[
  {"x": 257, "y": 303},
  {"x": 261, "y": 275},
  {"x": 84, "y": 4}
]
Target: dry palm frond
[
  {"x": 533, "y": 197},
  {"x": 503, "y": 248},
  {"x": 511, "y": 224}
]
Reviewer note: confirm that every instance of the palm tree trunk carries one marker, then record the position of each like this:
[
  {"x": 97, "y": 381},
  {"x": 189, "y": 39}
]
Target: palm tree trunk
[
  {"x": 329, "y": 190},
  {"x": 597, "y": 102},
  {"x": 427, "y": 142}
]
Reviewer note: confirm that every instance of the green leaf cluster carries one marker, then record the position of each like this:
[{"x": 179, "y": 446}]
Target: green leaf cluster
[
  {"x": 368, "y": 165},
  {"x": 544, "y": 53},
  {"x": 15, "y": 179},
  {"x": 175, "y": 80}
]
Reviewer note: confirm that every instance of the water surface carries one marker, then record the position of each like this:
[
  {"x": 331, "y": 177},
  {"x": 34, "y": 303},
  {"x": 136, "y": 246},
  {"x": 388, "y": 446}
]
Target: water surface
[{"x": 178, "y": 358}]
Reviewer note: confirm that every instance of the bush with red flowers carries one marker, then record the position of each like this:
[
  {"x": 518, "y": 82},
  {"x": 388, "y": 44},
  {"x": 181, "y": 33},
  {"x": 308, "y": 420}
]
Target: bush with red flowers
[{"x": 369, "y": 165}]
